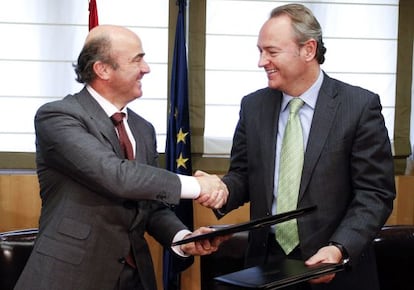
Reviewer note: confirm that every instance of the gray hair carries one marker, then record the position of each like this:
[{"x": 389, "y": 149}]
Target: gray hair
[
  {"x": 97, "y": 49},
  {"x": 305, "y": 26}
]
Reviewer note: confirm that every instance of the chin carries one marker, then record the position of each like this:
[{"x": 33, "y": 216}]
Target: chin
[
  {"x": 138, "y": 94},
  {"x": 273, "y": 84}
]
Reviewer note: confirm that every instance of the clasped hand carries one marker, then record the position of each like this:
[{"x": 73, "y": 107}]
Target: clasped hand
[{"x": 214, "y": 192}]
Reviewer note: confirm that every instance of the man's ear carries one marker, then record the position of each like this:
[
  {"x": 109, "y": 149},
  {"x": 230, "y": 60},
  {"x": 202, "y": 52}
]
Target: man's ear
[
  {"x": 102, "y": 70},
  {"x": 309, "y": 49}
]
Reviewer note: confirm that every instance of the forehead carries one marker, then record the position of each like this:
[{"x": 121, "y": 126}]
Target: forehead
[
  {"x": 127, "y": 45},
  {"x": 276, "y": 30}
]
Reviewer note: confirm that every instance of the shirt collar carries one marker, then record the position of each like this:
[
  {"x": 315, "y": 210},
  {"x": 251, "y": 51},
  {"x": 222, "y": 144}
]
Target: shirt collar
[
  {"x": 309, "y": 97},
  {"x": 107, "y": 106}
]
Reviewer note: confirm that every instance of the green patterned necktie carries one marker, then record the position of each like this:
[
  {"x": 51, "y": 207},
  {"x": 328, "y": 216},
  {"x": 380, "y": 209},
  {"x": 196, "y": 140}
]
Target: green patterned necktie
[{"x": 290, "y": 172}]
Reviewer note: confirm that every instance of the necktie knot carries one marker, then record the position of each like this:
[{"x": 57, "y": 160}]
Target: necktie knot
[
  {"x": 294, "y": 105},
  {"x": 117, "y": 118}
]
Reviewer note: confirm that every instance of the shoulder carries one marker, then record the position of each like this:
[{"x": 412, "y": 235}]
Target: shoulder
[
  {"x": 348, "y": 93},
  {"x": 137, "y": 120},
  {"x": 346, "y": 88},
  {"x": 79, "y": 106},
  {"x": 67, "y": 106},
  {"x": 262, "y": 96},
  {"x": 70, "y": 102}
]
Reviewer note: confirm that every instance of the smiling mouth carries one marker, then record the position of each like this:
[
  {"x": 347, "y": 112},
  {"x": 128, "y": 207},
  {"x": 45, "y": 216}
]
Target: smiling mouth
[{"x": 270, "y": 71}]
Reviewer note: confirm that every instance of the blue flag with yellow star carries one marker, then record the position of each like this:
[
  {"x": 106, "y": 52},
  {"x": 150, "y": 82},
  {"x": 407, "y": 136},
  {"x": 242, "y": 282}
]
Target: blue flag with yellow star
[{"x": 178, "y": 146}]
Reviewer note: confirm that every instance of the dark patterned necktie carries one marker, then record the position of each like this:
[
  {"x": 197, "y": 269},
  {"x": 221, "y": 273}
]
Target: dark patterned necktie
[{"x": 124, "y": 141}]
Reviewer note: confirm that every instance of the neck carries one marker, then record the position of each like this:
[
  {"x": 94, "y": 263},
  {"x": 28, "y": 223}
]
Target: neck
[
  {"x": 103, "y": 91},
  {"x": 304, "y": 82}
]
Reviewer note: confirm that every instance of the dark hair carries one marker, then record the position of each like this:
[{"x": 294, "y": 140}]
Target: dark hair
[
  {"x": 304, "y": 24},
  {"x": 97, "y": 49}
]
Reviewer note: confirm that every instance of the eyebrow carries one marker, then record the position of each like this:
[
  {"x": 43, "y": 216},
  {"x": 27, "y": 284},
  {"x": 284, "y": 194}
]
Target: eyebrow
[
  {"x": 138, "y": 56},
  {"x": 269, "y": 47}
]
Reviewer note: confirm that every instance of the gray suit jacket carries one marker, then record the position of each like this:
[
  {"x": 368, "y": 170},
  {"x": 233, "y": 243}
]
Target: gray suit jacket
[
  {"x": 347, "y": 172},
  {"x": 95, "y": 204}
]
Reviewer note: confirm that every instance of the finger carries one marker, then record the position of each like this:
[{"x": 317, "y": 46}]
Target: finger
[
  {"x": 213, "y": 249},
  {"x": 205, "y": 202},
  {"x": 212, "y": 199},
  {"x": 224, "y": 195},
  {"x": 199, "y": 248},
  {"x": 215, "y": 200},
  {"x": 315, "y": 259},
  {"x": 323, "y": 279},
  {"x": 216, "y": 204},
  {"x": 206, "y": 244},
  {"x": 188, "y": 248},
  {"x": 203, "y": 198},
  {"x": 205, "y": 230},
  {"x": 217, "y": 241},
  {"x": 221, "y": 199}
]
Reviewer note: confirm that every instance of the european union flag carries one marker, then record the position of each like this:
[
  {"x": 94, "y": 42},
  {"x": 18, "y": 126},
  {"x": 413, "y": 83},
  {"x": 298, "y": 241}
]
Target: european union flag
[{"x": 178, "y": 147}]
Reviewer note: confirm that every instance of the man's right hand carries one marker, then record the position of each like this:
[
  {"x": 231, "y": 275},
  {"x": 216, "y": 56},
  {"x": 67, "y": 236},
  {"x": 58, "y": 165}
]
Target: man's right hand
[{"x": 214, "y": 192}]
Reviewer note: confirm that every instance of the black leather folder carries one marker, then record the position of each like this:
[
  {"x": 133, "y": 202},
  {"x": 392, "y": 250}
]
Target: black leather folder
[
  {"x": 276, "y": 276},
  {"x": 248, "y": 226}
]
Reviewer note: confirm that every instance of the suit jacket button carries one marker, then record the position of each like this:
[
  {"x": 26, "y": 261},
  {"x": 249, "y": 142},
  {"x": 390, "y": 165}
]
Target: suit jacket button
[{"x": 121, "y": 260}]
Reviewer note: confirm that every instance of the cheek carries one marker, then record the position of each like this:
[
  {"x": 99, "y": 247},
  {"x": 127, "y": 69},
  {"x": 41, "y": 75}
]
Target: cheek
[{"x": 291, "y": 65}]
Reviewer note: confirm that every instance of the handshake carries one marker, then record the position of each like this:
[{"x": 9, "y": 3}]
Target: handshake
[{"x": 214, "y": 192}]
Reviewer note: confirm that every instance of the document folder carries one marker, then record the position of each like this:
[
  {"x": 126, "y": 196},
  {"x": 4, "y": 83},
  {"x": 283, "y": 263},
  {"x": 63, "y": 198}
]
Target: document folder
[
  {"x": 248, "y": 226},
  {"x": 276, "y": 276}
]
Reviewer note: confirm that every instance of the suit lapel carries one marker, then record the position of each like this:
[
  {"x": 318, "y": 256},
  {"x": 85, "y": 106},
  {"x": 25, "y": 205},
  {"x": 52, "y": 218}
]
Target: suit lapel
[
  {"x": 134, "y": 125},
  {"x": 325, "y": 111},
  {"x": 269, "y": 124},
  {"x": 101, "y": 120}
]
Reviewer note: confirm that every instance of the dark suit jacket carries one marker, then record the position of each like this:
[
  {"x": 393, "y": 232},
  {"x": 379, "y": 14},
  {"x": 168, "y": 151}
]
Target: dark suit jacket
[
  {"x": 347, "y": 172},
  {"x": 95, "y": 204}
]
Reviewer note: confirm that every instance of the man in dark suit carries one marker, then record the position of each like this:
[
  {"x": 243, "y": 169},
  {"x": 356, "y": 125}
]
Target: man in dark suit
[
  {"x": 347, "y": 167},
  {"x": 97, "y": 201}
]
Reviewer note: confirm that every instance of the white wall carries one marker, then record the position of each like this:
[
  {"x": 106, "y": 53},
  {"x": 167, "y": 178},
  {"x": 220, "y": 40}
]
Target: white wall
[
  {"x": 42, "y": 38},
  {"x": 360, "y": 37}
]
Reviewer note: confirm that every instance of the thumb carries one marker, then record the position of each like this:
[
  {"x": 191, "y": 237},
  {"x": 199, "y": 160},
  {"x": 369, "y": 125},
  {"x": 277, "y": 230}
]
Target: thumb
[
  {"x": 315, "y": 259},
  {"x": 199, "y": 173}
]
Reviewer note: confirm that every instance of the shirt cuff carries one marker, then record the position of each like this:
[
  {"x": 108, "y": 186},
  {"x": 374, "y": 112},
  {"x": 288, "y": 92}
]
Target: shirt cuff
[
  {"x": 178, "y": 237},
  {"x": 190, "y": 188}
]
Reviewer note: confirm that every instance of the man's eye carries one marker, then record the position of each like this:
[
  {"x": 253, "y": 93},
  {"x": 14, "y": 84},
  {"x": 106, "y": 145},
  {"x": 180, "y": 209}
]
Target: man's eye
[{"x": 137, "y": 59}]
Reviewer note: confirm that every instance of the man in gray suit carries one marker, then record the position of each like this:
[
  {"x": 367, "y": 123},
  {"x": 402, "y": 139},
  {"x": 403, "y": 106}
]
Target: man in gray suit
[
  {"x": 96, "y": 203},
  {"x": 347, "y": 167}
]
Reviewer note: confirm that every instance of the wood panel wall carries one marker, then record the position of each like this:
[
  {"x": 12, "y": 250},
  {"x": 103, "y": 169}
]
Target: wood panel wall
[{"x": 20, "y": 207}]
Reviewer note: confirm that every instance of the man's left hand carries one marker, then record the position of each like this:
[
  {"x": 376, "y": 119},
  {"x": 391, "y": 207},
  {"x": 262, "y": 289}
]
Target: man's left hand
[
  {"x": 203, "y": 247},
  {"x": 328, "y": 254}
]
